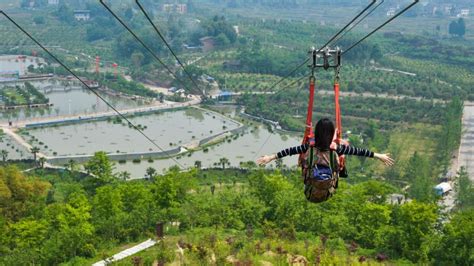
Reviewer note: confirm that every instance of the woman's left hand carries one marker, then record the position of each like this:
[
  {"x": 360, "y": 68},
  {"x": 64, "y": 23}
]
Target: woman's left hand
[{"x": 385, "y": 158}]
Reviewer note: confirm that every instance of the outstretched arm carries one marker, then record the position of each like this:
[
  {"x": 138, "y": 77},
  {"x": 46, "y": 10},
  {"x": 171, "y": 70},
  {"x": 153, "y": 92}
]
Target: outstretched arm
[
  {"x": 350, "y": 150},
  {"x": 286, "y": 152},
  {"x": 340, "y": 150}
]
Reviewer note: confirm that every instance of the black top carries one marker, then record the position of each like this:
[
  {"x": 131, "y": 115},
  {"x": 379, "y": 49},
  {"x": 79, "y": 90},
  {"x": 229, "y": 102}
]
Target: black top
[{"x": 341, "y": 150}]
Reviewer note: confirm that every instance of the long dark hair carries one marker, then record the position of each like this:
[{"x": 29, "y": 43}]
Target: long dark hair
[{"x": 323, "y": 134}]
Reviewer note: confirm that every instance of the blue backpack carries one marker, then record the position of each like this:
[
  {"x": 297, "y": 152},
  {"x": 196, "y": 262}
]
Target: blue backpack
[
  {"x": 320, "y": 181},
  {"x": 322, "y": 172}
]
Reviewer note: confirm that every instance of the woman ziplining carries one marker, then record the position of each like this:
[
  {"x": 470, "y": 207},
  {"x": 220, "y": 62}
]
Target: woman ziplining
[
  {"x": 322, "y": 151},
  {"x": 320, "y": 162}
]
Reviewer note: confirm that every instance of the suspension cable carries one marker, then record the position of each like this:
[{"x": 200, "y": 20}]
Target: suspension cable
[
  {"x": 270, "y": 134},
  {"x": 166, "y": 43},
  {"x": 322, "y": 47},
  {"x": 381, "y": 26},
  {"x": 89, "y": 88},
  {"x": 307, "y": 60},
  {"x": 348, "y": 24},
  {"x": 288, "y": 75},
  {"x": 358, "y": 22},
  {"x": 141, "y": 42}
]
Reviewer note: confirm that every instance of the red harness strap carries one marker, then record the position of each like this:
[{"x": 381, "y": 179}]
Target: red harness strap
[
  {"x": 308, "y": 133},
  {"x": 338, "y": 139}
]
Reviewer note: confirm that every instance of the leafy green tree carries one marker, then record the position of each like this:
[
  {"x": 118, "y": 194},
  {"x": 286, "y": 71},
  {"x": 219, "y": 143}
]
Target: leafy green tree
[
  {"x": 35, "y": 151},
  {"x": 170, "y": 191},
  {"x": 411, "y": 230},
  {"x": 4, "y": 239},
  {"x": 140, "y": 208},
  {"x": 71, "y": 231},
  {"x": 217, "y": 27},
  {"x": 107, "y": 213},
  {"x": 101, "y": 167},
  {"x": 251, "y": 210},
  {"x": 422, "y": 185},
  {"x": 248, "y": 165},
  {"x": 42, "y": 161},
  {"x": 65, "y": 14},
  {"x": 4, "y": 154},
  {"x": 20, "y": 196},
  {"x": 457, "y": 27},
  {"x": 221, "y": 212},
  {"x": 150, "y": 173},
  {"x": 71, "y": 165},
  {"x": 450, "y": 132},
  {"x": 456, "y": 246},
  {"x": 198, "y": 164},
  {"x": 222, "y": 40},
  {"x": 224, "y": 162},
  {"x": 29, "y": 233},
  {"x": 465, "y": 190},
  {"x": 124, "y": 175}
]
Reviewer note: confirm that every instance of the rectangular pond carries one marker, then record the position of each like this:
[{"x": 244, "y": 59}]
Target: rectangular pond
[
  {"x": 242, "y": 149},
  {"x": 68, "y": 101},
  {"x": 168, "y": 129}
]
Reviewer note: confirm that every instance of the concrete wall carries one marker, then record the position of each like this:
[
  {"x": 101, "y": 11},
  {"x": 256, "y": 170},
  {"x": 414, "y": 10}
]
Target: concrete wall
[
  {"x": 116, "y": 157},
  {"x": 86, "y": 118},
  {"x": 212, "y": 138}
]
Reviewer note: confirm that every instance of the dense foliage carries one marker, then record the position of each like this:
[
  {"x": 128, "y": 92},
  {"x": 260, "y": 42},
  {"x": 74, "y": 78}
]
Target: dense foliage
[
  {"x": 65, "y": 215},
  {"x": 285, "y": 107}
]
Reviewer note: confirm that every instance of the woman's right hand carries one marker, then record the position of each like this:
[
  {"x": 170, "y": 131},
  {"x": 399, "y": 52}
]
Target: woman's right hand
[{"x": 266, "y": 159}]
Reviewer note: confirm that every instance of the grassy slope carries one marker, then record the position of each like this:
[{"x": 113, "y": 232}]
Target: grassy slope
[
  {"x": 249, "y": 254},
  {"x": 404, "y": 142}
]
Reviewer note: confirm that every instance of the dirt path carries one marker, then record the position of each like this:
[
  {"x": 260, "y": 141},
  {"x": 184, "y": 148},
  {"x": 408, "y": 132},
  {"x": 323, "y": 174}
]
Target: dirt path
[
  {"x": 379, "y": 95},
  {"x": 11, "y": 132}
]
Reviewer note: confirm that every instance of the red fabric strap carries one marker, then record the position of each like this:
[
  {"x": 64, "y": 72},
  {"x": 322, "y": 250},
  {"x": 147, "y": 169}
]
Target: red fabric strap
[{"x": 308, "y": 133}]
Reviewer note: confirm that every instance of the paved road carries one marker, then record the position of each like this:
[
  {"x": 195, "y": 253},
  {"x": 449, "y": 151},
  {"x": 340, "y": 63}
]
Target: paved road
[
  {"x": 466, "y": 153},
  {"x": 128, "y": 252}
]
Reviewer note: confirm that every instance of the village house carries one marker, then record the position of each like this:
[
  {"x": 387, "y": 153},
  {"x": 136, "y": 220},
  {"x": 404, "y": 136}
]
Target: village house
[
  {"x": 464, "y": 13},
  {"x": 391, "y": 12},
  {"x": 82, "y": 15},
  {"x": 208, "y": 43},
  {"x": 177, "y": 8}
]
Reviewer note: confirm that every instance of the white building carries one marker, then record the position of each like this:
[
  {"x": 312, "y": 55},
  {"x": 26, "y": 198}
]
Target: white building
[
  {"x": 82, "y": 15},
  {"x": 464, "y": 13},
  {"x": 181, "y": 8},
  {"x": 178, "y": 8},
  {"x": 391, "y": 12},
  {"x": 237, "y": 30},
  {"x": 53, "y": 2}
]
